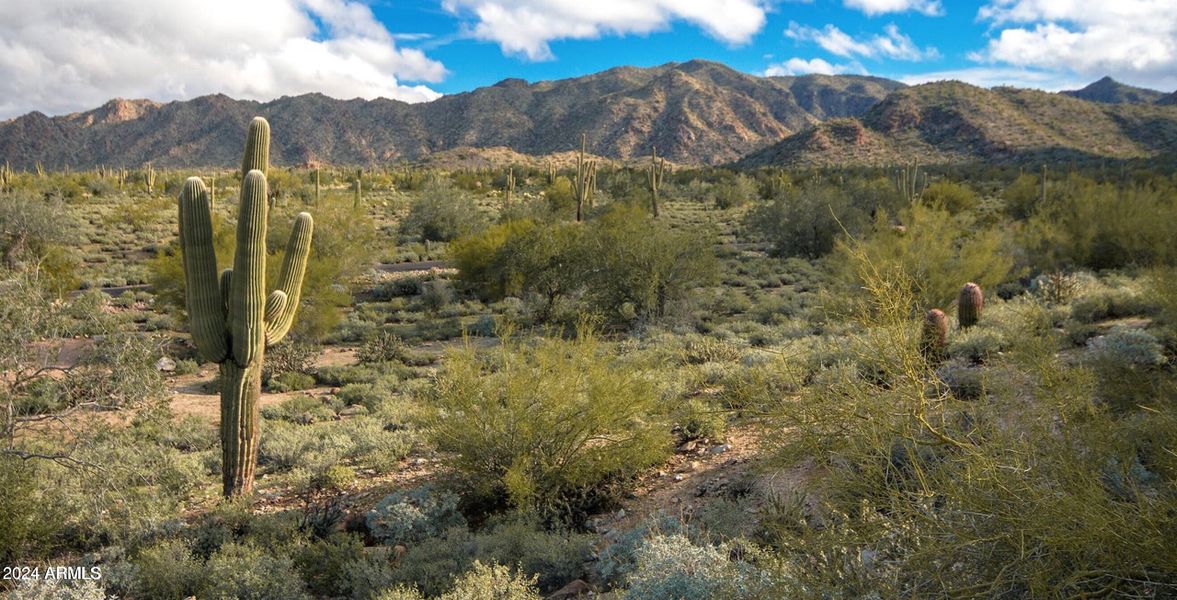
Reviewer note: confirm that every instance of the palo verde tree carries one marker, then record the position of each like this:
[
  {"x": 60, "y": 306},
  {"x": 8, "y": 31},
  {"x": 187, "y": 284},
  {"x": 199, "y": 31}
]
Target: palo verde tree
[{"x": 232, "y": 319}]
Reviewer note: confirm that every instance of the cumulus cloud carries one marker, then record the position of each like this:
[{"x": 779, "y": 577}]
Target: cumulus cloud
[
  {"x": 59, "y": 56},
  {"x": 892, "y": 44},
  {"x": 1132, "y": 40},
  {"x": 879, "y": 7},
  {"x": 524, "y": 27},
  {"x": 815, "y": 66}
]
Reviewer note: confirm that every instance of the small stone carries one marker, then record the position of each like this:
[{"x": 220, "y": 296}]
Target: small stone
[
  {"x": 688, "y": 446},
  {"x": 575, "y": 589},
  {"x": 720, "y": 449},
  {"x": 678, "y": 477},
  {"x": 620, "y": 514},
  {"x": 165, "y": 364}
]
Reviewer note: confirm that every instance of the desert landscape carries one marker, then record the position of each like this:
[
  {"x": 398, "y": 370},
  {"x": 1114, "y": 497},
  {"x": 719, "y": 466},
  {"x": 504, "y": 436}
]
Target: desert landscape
[{"x": 654, "y": 332}]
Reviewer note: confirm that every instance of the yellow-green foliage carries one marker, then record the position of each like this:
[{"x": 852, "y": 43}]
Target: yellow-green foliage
[
  {"x": 1100, "y": 226},
  {"x": 538, "y": 423},
  {"x": 933, "y": 251},
  {"x": 950, "y": 196},
  {"x": 1039, "y": 489}
]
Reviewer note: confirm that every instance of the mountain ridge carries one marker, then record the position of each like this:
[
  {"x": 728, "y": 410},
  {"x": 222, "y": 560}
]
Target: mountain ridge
[{"x": 695, "y": 112}]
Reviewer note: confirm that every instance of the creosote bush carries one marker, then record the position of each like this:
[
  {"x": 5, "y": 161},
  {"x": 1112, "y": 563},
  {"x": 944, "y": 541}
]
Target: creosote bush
[{"x": 540, "y": 426}]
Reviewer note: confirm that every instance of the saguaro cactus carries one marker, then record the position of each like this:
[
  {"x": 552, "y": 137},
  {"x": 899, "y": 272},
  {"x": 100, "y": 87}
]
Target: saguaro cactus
[
  {"x": 509, "y": 189},
  {"x": 654, "y": 178},
  {"x": 232, "y": 319},
  {"x": 969, "y": 305},
  {"x": 586, "y": 175}
]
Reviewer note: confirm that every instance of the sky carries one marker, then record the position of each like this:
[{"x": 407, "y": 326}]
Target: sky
[{"x": 63, "y": 56}]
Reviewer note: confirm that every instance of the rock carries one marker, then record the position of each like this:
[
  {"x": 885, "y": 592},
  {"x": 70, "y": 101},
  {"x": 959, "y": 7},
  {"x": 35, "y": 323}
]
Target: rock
[
  {"x": 620, "y": 514},
  {"x": 165, "y": 364},
  {"x": 575, "y": 589},
  {"x": 720, "y": 449},
  {"x": 355, "y": 409},
  {"x": 688, "y": 447},
  {"x": 678, "y": 477},
  {"x": 689, "y": 467}
]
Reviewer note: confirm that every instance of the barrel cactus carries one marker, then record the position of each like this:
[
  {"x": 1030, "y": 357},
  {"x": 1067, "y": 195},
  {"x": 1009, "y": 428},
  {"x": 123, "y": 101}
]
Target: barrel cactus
[
  {"x": 969, "y": 305},
  {"x": 934, "y": 337},
  {"x": 232, "y": 318}
]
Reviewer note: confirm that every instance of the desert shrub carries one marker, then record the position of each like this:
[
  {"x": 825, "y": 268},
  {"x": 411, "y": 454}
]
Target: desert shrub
[
  {"x": 935, "y": 253},
  {"x": 368, "y": 395},
  {"x": 341, "y": 375},
  {"x": 700, "y": 349},
  {"x": 538, "y": 424},
  {"x": 406, "y": 517},
  {"x": 301, "y": 409},
  {"x": 338, "y": 566},
  {"x": 736, "y": 191},
  {"x": 950, "y": 196},
  {"x": 807, "y": 220},
  {"x": 621, "y": 262},
  {"x": 187, "y": 366},
  {"x": 1074, "y": 228},
  {"x": 436, "y": 294},
  {"x": 1108, "y": 303},
  {"x": 245, "y": 572},
  {"x": 1127, "y": 347},
  {"x": 976, "y": 344},
  {"x": 492, "y": 582},
  {"x": 672, "y": 566},
  {"x": 385, "y": 347},
  {"x": 289, "y": 357},
  {"x": 57, "y": 589},
  {"x": 698, "y": 420},
  {"x": 441, "y": 213},
  {"x": 291, "y": 382},
  {"x": 29, "y": 522},
  {"x": 167, "y": 569}
]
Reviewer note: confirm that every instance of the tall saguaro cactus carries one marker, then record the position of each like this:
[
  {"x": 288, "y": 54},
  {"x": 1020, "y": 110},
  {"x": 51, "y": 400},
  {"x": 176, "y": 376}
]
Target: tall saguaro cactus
[
  {"x": 586, "y": 174},
  {"x": 232, "y": 318},
  {"x": 654, "y": 179}
]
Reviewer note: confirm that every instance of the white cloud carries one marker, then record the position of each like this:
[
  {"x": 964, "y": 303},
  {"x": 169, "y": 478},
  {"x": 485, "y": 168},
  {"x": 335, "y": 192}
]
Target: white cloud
[
  {"x": 524, "y": 27},
  {"x": 1132, "y": 40},
  {"x": 879, "y": 7},
  {"x": 892, "y": 44},
  {"x": 800, "y": 66},
  {"x": 59, "y": 56},
  {"x": 997, "y": 76}
]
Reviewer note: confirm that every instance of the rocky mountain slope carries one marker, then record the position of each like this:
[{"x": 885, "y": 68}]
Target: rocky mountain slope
[
  {"x": 947, "y": 122},
  {"x": 1110, "y": 91},
  {"x": 695, "y": 113}
]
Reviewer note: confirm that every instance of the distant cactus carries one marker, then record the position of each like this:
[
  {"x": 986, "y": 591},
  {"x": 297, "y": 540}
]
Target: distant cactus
[
  {"x": 359, "y": 189},
  {"x": 907, "y": 182},
  {"x": 551, "y": 173},
  {"x": 969, "y": 305},
  {"x": 5, "y": 177},
  {"x": 509, "y": 190},
  {"x": 586, "y": 178},
  {"x": 232, "y": 319},
  {"x": 149, "y": 179},
  {"x": 318, "y": 187},
  {"x": 654, "y": 178},
  {"x": 934, "y": 337}
]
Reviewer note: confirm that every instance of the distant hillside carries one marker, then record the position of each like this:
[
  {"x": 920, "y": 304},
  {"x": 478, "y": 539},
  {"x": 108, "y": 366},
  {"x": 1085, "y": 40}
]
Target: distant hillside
[
  {"x": 1110, "y": 91},
  {"x": 696, "y": 112},
  {"x": 1168, "y": 100},
  {"x": 946, "y": 122}
]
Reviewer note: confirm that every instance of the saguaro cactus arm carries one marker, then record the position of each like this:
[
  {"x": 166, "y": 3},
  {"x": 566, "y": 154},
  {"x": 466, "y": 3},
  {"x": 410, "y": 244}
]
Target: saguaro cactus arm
[
  {"x": 294, "y": 264},
  {"x": 200, "y": 272}
]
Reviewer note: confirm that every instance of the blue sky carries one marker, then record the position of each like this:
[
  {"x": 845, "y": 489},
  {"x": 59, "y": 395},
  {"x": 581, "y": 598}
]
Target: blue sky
[{"x": 61, "y": 56}]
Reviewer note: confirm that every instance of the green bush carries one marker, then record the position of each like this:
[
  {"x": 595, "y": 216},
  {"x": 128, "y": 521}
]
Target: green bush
[
  {"x": 167, "y": 569},
  {"x": 290, "y": 381},
  {"x": 672, "y": 566},
  {"x": 441, "y": 213},
  {"x": 537, "y": 425},
  {"x": 482, "y": 582},
  {"x": 245, "y": 572}
]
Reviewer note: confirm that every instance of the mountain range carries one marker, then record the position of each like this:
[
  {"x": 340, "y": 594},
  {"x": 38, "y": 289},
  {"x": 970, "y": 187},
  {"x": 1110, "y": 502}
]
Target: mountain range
[{"x": 696, "y": 112}]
